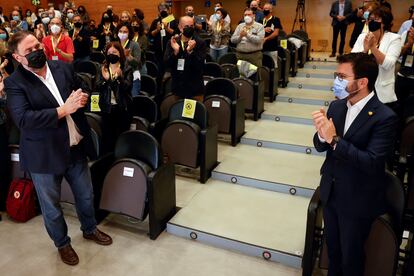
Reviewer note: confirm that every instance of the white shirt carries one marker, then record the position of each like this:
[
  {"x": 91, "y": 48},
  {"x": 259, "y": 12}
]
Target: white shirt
[
  {"x": 74, "y": 135},
  {"x": 405, "y": 26},
  {"x": 341, "y": 9},
  {"x": 352, "y": 113}
]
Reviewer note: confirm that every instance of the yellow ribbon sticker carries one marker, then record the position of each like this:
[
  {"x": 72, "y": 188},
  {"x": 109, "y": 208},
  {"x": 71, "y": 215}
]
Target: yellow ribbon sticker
[
  {"x": 283, "y": 43},
  {"x": 189, "y": 108},
  {"x": 95, "y": 44},
  {"x": 95, "y": 103}
]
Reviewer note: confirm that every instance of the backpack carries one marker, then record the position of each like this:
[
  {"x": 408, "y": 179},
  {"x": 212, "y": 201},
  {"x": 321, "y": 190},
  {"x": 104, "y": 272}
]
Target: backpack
[{"x": 20, "y": 203}]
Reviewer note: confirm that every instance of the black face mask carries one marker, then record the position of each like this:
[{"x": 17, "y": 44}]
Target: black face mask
[
  {"x": 188, "y": 32},
  {"x": 36, "y": 59},
  {"x": 164, "y": 14},
  {"x": 111, "y": 58},
  {"x": 266, "y": 12},
  {"x": 374, "y": 26},
  {"x": 135, "y": 28},
  {"x": 80, "y": 11},
  {"x": 109, "y": 12},
  {"x": 77, "y": 25},
  {"x": 190, "y": 14},
  {"x": 254, "y": 9}
]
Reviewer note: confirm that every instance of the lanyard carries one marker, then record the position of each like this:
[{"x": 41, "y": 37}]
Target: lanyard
[
  {"x": 266, "y": 20},
  {"x": 107, "y": 29},
  {"x": 218, "y": 27},
  {"x": 136, "y": 38},
  {"x": 75, "y": 34},
  {"x": 125, "y": 44},
  {"x": 57, "y": 43},
  {"x": 182, "y": 45},
  {"x": 113, "y": 75}
]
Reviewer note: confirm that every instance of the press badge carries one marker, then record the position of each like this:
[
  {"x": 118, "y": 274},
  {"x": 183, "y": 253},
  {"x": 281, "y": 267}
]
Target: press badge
[
  {"x": 180, "y": 64},
  {"x": 162, "y": 32},
  {"x": 95, "y": 44},
  {"x": 55, "y": 58},
  {"x": 409, "y": 61}
]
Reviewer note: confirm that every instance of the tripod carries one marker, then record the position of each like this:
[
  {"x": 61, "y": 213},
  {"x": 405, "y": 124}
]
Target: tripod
[{"x": 300, "y": 16}]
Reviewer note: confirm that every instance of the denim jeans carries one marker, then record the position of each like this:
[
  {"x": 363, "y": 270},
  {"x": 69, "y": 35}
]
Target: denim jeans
[
  {"x": 48, "y": 187},
  {"x": 216, "y": 54},
  {"x": 136, "y": 87}
]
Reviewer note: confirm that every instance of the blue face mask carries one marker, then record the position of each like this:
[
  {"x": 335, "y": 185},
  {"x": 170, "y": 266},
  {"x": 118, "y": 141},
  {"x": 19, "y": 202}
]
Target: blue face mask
[
  {"x": 3, "y": 36},
  {"x": 366, "y": 15},
  {"x": 339, "y": 88},
  {"x": 16, "y": 18}
]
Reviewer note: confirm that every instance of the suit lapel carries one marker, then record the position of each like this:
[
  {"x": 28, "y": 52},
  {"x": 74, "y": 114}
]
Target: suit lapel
[
  {"x": 363, "y": 116},
  {"x": 339, "y": 118},
  {"x": 59, "y": 77}
]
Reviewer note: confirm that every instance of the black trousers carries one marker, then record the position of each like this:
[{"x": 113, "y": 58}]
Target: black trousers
[
  {"x": 339, "y": 28},
  {"x": 5, "y": 169},
  {"x": 345, "y": 238}
]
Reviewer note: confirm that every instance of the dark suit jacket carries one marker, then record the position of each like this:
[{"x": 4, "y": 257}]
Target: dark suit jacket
[
  {"x": 335, "y": 11},
  {"x": 82, "y": 43},
  {"x": 189, "y": 82},
  {"x": 353, "y": 174},
  {"x": 44, "y": 140}
]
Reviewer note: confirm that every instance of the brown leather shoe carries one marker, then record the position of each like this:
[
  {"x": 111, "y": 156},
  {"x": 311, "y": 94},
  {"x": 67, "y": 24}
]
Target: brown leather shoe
[
  {"x": 68, "y": 255},
  {"x": 99, "y": 237}
]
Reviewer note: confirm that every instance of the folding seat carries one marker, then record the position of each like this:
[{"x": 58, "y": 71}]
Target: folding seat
[
  {"x": 230, "y": 71},
  {"x": 382, "y": 245},
  {"x": 206, "y": 79},
  {"x": 212, "y": 69},
  {"x": 167, "y": 102},
  {"x": 284, "y": 55},
  {"x": 97, "y": 56},
  {"x": 152, "y": 69},
  {"x": 224, "y": 108},
  {"x": 191, "y": 142},
  {"x": 252, "y": 91},
  {"x": 150, "y": 56},
  {"x": 145, "y": 113},
  {"x": 88, "y": 68},
  {"x": 303, "y": 52},
  {"x": 208, "y": 57},
  {"x": 271, "y": 86},
  {"x": 406, "y": 148},
  {"x": 88, "y": 80},
  {"x": 136, "y": 183},
  {"x": 148, "y": 85},
  {"x": 294, "y": 57},
  {"x": 230, "y": 58}
]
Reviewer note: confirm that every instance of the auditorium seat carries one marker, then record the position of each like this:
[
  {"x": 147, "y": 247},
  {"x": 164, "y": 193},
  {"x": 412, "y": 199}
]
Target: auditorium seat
[
  {"x": 212, "y": 69},
  {"x": 230, "y": 70},
  {"x": 273, "y": 82},
  {"x": 225, "y": 108},
  {"x": 136, "y": 183},
  {"x": 148, "y": 85},
  {"x": 145, "y": 113},
  {"x": 97, "y": 56},
  {"x": 152, "y": 69},
  {"x": 230, "y": 58},
  {"x": 191, "y": 142}
]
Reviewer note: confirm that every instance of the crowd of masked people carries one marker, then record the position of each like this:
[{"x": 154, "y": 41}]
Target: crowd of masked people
[{"x": 71, "y": 35}]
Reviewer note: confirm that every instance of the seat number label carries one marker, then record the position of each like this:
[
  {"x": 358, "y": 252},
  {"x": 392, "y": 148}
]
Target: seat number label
[{"x": 129, "y": 172}]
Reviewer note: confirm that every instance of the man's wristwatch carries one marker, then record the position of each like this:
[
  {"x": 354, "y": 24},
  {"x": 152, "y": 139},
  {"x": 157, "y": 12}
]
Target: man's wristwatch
[{"x": 335, "y": 140}]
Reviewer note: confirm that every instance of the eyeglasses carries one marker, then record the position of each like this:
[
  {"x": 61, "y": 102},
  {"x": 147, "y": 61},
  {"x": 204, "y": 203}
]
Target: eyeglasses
[{"x": 341, "y": 76}]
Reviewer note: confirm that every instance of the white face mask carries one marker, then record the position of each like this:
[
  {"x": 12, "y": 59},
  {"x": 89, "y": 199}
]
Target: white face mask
[
  {"x": 70, "y": 15},
  {"x": 55, "y": 29},
  {"x": 248, "y": 19},
  {"x": 218, "y": 16},
  {"x": 45, "y": 20},
  {"x": 122, "y": 36}
]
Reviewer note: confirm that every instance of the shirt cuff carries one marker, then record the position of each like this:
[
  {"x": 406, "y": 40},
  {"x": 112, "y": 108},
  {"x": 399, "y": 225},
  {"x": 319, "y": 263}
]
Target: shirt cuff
[{"x": 321, "y": 139}]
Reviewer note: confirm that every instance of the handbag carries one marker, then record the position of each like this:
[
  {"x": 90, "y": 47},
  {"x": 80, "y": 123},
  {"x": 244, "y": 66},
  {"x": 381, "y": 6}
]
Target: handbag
[{"x": 20, "y": 202}]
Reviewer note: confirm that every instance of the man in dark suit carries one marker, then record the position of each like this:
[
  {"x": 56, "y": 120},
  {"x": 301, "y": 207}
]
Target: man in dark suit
[
  {"x": 46, "y": 104},
  {"x": 81, "y": 40},
  {"x": 341, "y": 10},
  {"x": 185, "y": 57},
  {"x": 358, "y": 134}
]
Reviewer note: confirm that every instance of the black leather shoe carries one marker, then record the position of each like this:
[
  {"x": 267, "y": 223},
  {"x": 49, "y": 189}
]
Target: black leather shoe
[
  {"x": 68, "y": 255},
  {"x": 99, "y": 237},
  {"x": 332, "y": 55}
]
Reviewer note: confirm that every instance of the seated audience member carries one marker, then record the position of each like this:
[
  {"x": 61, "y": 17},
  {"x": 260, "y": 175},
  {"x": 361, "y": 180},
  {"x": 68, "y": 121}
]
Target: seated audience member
[
  {"x": 125, "y": 18},
  {"x": 386, "y": 48},
  {"x": 271, "y": 26},
  {"x": 408, "y": 23},
  {"x": 132, "y": 53},
  {"x": 115, "y": 99},
  {"x": 254, "y": 6},
  {"x": 17, "y": 23},
  {"x": 220, "y": 35},
  {"x": 249, "y": 37},
  {"x": 160, "y": 32},
  {"x": 185, "y": 57},
  {"x": 106, "y": 30},
  {"x": 141, "y": 39},
  {"x": 213, "y": 17},
  {"x": 139, "y": 14},
  {"x": 81, "y": 39},
  {"x": 57, "y": 45},
  {"x": 189, "y": 11}
]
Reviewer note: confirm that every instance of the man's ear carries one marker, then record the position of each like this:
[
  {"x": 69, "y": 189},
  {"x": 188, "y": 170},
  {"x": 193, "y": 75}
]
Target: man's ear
[
  {"x": 17, "y": 57},
  {"x": 364, "y": 82}
]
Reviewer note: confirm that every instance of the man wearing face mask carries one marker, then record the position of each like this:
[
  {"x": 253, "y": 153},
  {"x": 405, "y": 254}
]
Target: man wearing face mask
[
  {"x": 81, "y": 40},
  {"x": 385, "y": 46},
  {"x": 189, "y": 11},
  {"x": 254, "y": 6},
  {"x": 214, "y": 18},
  {"x": 185, "y": 57},
  {"x": 17, "y": 24},
  {"x": 46, "y": 100},
  {"x": 249, "y": 37},
  {"x": 57, "y": 45},
  {"x": 357, "y": 134}
]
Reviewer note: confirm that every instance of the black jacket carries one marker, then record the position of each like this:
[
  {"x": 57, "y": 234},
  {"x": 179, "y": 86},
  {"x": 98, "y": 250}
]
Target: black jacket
[
  {"x": 82, "y": 43},
  {"x": 335, "y": 12},
  {"x": 44, "y": 139},
  {"x": 189, "y": 82}
]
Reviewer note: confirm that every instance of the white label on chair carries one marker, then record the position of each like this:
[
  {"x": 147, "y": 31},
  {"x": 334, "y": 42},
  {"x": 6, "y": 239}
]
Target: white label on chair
[
  {"x": 128, "y": 172},
  {"x": 15, "y": 157},
  {"x": 205, "y": 82},
  {"x": 133, "y": 127},
  {"x": 215, "y": 104},
  {"x": 406, "y": 234}
]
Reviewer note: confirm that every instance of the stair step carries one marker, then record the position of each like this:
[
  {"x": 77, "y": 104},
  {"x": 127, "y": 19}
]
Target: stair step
[{"x": 290, "y": 112}]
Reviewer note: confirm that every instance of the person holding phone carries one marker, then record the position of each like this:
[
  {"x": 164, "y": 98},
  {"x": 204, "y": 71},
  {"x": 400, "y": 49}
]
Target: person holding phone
[{"x": 46, "y": 102}]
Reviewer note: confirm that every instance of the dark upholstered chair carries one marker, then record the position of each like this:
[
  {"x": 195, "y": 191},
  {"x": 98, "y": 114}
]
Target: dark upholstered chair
[
  {"x": 273, "y": 81},
  {"x": 149, "y": 85},
  {"x": 145, "y": 113},
  {"x": 212, "y": 69},
  {"x": 225, "y": 108},
  {"x": 136, "y": 183},
  {"x": 230, "y": 58},
  {"x": 284, "y": 55},
  {"x": 230, "y": 71},
  {"x": 190, "y": 142}
]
